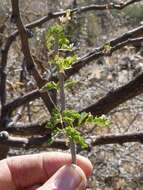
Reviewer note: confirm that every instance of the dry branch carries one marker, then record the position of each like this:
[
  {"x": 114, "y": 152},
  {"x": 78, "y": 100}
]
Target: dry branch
[
  {"x": 62, "y": 144},
  {"x": 27, "y": 129},
  {"x": 9, "y": 107},
  {"x": 27, "y": 54},
  {"x": 130, "y": 37},
  {"x": 116, "y": 97},
  {"x": 31, "y": 142},
  {"x": 79, "y": 10},
  {"x": 118, "y": 139}
]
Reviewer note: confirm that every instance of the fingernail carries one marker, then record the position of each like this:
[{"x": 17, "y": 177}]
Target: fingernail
[{"x": 67, "y": 178}]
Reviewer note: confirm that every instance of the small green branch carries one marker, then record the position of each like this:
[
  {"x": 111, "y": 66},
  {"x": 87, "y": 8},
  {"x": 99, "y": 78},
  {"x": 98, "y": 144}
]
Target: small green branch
[
  {"x": 62, "y": 98},
  {"x": 67, "y": 119},
  {"x": 62, "y": 93},
  {"x": 73, "y": 151}
]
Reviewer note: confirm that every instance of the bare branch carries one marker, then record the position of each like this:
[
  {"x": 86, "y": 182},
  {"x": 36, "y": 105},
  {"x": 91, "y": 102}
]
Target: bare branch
[
  {"x": 27, "y": 54},
  {"x": 130, "y": 37},
  {"x": 31, "y": 142},
  {"x": 3, "y": 65},
  {"x": 116, "y": 97},
  {"x": 62, "y": 144},
  {"x": 79, "y": 10},
  {"x": 9, "y": 107},
  {"x": 118, "y": 139},
  {"x": 27, "y": 129}
]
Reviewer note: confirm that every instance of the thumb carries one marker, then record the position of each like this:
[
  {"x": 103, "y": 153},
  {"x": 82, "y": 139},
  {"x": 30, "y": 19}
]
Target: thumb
[{"x": 69, "y": 177}]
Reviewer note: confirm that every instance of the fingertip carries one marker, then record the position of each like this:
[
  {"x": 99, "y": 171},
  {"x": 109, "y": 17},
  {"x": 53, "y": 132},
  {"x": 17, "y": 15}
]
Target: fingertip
[
  {"x": 85, "y": 164},
  {"x": 58, "y": 159},
  {"x": 67, "y": 177}
]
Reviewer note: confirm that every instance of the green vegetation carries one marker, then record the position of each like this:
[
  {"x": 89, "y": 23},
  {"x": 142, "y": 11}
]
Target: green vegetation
[{"x": 63, "y": 120}]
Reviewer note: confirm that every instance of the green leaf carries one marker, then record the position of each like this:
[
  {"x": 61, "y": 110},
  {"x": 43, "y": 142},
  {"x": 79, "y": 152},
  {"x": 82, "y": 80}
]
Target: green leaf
[
  {"x": 64, "y": 43},
  {"x": 68, "y": 120},
  {"x": 50, "y": 141},
  {"x": 56, "y": 35},
  {"x": 83, "y": 118},
  {"x": 90, "y": 118},
  {"x": 50, "y": 42},
  {"x": 49, "y": 86},
  {"x": 65, "y": 62},
  {"x": 101, "y": 121},
  {"x": 76, "y": 136},
  {"x": 71, "y": 114},
  {"x": 55, "y": 119},
  {"x": 107, "y": 48},
  {"x": 56, "y": 30},
  {"x": 70, "y": 84}
]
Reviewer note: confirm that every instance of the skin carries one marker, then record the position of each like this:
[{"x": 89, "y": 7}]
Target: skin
[{"x": 46, "y": 171}]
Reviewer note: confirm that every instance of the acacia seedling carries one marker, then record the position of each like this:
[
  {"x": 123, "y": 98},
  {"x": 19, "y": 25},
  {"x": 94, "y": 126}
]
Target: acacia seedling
[{"x": 64, "y": 120}]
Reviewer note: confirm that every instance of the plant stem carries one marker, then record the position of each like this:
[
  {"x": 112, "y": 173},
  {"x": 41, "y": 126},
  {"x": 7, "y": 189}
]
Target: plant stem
[
  {"x": 62, "y": 93},
  {"x": 62, "y": 98},
  {"x": 73, "y": 151}
]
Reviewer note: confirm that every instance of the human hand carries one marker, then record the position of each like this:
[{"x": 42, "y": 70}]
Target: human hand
[{"x": 46, "y": 171}]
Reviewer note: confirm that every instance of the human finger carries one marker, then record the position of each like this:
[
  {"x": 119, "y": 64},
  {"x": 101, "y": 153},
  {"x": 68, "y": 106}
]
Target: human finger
[
  {"x": 69, "y": 177},
  {"x": 29, "y": 170}
]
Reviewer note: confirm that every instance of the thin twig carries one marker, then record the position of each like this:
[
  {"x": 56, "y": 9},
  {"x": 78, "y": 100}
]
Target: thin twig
[
  {"x": 62, "y": 97},
  {"x": 10, "y": 141}
]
